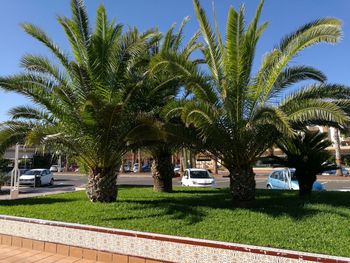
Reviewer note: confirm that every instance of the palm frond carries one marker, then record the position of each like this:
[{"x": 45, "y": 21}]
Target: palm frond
[
  {"x": 212, "y": 51},
  {"x": 41, "y": 36}
]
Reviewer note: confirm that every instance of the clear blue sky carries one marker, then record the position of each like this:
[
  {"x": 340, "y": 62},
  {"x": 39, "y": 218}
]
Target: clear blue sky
[{"x": 284, "y": 16}]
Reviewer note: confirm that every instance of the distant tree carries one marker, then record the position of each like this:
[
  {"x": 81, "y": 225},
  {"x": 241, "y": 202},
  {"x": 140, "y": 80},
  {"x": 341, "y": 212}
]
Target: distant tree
[{"x": 306, "y": 152}]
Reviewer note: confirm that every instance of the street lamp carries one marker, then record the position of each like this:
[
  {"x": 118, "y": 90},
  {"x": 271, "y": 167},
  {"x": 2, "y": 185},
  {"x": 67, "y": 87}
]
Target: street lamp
[{"x": 15, "y": 176}]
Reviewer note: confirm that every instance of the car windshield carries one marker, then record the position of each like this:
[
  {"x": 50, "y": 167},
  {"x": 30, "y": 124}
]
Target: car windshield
[
  {"x": 200, "y": 174},
  {"x": 32, "y": 173}
]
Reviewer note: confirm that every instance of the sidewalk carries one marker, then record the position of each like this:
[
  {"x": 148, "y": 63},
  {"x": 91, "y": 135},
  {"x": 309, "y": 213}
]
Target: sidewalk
[
  {"x": 30, "y": 192},
  {"x": 22, "y": 255}
]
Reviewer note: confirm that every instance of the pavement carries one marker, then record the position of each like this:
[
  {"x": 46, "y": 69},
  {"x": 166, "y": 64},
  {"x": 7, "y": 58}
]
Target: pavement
[
  {"x": 69, "y": 182},
  {"x": 23, "y": 255}
]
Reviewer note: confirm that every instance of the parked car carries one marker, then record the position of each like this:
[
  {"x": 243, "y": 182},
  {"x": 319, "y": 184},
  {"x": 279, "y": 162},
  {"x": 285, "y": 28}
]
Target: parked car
[
  {"x": 37, "y": 177},
  {"x": 145, "y": 168},
  {"x": 198, "y": 178},
  {"x": 333, "y": 172},
  {"x": 56, "y": 169},
  {"x": 126, "y": 168},
  {"x": 286, "y": 179},
  {"x": 135, "y": 169},
  {"x": 177, "y": 170}
]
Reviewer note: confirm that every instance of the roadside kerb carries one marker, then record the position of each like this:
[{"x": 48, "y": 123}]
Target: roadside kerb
[{"x": 161, "y": 248}]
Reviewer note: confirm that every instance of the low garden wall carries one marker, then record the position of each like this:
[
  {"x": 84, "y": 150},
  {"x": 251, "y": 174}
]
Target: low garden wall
[{"x": 106, "y": 245}]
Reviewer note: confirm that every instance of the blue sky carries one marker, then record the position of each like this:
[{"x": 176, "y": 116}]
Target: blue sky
[{"x": 284, "y": 16}]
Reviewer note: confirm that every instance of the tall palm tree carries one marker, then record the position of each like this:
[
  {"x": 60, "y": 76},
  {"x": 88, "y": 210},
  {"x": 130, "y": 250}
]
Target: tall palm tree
[
  {"x": 84, "y": 100},
  {"x": 160, "y": 138},
  {"x": 337, "y": 151},
  {"x": 237, "y": 113},
  {"x": 307, "y": 153}
]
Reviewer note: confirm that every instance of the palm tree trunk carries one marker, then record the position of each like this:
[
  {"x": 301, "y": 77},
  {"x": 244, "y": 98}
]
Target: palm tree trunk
[
  {"x": 139, "y": 168},
  {"x": 337, "y": 152},
  {"x": 162, "y": 172},
  {"x": 242, "y": 186},
  {"x": 102, "y": 185},
  {"x": 215, "y": 165},
  {"x": 305, "y": 183}
]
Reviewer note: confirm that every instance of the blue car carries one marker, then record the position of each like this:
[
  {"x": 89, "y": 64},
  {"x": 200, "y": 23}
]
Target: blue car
[
  {"x": 286, "y": 179},
  {"x": 145, "y": 168},
  {"x": 333, "y": 172}
]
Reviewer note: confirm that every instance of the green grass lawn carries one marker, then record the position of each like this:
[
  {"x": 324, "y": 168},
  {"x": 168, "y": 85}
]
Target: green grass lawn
[{"x": 277, "y": 220}]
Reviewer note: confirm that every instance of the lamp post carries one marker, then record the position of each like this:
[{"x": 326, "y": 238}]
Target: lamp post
[{"x": 14, "y": 192}]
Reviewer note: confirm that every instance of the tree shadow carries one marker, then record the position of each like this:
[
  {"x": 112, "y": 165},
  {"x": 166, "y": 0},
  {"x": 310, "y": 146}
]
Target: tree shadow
[
  {"x": 36, "y": 201},
  {"x": 190, "y": 208}
]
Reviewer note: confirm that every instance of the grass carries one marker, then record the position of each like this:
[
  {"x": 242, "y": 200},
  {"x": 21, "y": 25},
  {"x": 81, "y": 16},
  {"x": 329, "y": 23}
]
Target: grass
[{"x": 276, "y": 220}]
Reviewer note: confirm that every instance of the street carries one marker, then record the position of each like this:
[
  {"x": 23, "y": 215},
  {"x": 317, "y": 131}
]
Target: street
[
  {"x": 72, "y": 182},
  {"x": 331, "y": 183}
]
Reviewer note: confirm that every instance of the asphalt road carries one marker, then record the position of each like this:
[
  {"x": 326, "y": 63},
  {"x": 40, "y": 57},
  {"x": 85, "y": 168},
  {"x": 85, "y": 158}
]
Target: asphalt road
[
  {"x": 70, "y": 182},
  {"x": 331, "y": 183}
]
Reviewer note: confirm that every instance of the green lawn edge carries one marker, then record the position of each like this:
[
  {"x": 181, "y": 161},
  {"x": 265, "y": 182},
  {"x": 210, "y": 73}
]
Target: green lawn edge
[{"x": 277, "y": 219}]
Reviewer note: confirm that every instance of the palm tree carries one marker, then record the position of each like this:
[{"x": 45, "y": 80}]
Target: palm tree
[
  {"x": 337, "y": 151},
  {"x": 238, "y": 114},
  {"x": 307, "y": 153},
  {"x": 84, "y": 102},
  {"x": 159, "y": 137}
]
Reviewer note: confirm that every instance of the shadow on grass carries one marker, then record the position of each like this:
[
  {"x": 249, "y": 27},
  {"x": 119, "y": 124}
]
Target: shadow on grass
[
  {"x": 190, "y": 205},
  {"x": 120, "y": 186},
  {"x": 36, "y": 201}
]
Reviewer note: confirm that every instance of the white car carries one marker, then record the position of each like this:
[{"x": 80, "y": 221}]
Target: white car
[
  {"x": 36, "y": 177},
  {"x": 126, "y": 168},
  {"x": 197, "y": 178},
  {"x": 177, "y": 170},
  {"x": 56, "y": 168},
  {"x": 135, "y": 168}
]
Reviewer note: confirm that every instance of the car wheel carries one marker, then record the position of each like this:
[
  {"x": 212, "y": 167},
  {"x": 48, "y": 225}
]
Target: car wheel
[
  {"x": 38, "y": 182},
  {"x": 51, "y": 181},
  {"x": 269, "y": 186}
]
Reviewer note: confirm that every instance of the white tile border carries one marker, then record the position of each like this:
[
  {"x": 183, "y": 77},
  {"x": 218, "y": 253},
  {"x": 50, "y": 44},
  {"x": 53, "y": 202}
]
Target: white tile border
[{"x": 149, "y": 245}]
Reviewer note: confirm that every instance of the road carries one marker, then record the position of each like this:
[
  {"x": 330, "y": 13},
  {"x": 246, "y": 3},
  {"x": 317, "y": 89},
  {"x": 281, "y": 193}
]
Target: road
[
  {"x": 330, "y": 182},
  {"x": 71, "y": 182}
]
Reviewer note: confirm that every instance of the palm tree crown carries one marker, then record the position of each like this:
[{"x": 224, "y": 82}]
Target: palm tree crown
[
  {"x": 238, "y": 113},
  {"x": 84, "y": 102}
]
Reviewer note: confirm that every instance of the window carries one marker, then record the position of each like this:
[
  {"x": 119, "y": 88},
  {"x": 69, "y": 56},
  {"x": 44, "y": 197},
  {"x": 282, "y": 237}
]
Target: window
[
  {"x": 274, "y": 175},
  {"x": 200, "y": 174},
  {"x": 31, "y": 172},
  {"x": 281, "y": 176}
]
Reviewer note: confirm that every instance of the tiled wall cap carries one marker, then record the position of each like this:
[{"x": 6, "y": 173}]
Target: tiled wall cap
[{"x": 186, "y": 240}]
